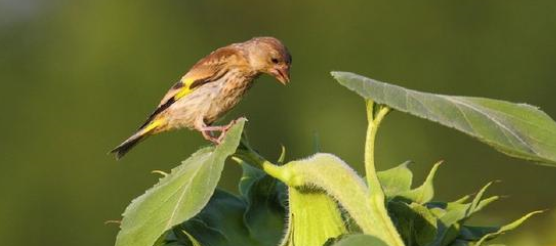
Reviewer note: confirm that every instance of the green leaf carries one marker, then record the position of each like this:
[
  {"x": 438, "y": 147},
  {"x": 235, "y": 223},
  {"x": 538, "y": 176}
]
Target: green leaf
[
  {"x": 506, "y": 228},
  {"x": 479, "y": 203},
  {"x": 360, "y": 240},
  {"x": 415, "y": 222},
  {"x": 475, "y": 233},
  {"x": 396, "y": 180},
  {"x": 265, "y": 212},
  {"x": 250, "y": 176},
  {"x": 461, "y": 243},
  {"x": 220, "y": 223},
  {"x": 518, "y": 130},
  {"x": 193, "y": 241},
  {"x": 453, "y": 215},
  {"x": 256, "y": 218},
  {"x": 425, "y": 192},
  {"x": 178, "y": 196}
]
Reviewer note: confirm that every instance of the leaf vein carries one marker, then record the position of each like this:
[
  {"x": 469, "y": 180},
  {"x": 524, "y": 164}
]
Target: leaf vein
[{"x": 495, "y": 120}]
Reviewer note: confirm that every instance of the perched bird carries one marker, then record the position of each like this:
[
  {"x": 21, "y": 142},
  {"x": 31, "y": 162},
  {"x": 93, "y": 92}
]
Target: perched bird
[{"x": 212, "y": 87}]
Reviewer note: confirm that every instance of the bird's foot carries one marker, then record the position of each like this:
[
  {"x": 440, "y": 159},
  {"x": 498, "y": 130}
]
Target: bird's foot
[
  {"x": 225, "y": 130},
  {"x": 207, "y": 132}
]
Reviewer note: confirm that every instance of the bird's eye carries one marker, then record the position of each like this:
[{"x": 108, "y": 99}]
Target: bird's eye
[{"x": 274, "y": 60}]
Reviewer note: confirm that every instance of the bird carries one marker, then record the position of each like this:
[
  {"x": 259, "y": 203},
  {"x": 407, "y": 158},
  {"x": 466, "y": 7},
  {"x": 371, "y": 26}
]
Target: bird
[{"x": 211, "y": 88}]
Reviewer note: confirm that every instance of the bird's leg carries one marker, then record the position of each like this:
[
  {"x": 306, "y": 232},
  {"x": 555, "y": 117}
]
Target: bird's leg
[
  {"x": 225, "y": 130},
  {"x": 206, "y": 131},
  {"x": 214, "y": 128},
  {"x": 207, "y": 134}
]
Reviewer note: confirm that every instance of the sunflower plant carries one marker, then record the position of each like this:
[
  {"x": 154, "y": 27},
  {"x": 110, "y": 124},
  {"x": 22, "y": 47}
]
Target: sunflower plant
[{"x": 321, "y": 200}]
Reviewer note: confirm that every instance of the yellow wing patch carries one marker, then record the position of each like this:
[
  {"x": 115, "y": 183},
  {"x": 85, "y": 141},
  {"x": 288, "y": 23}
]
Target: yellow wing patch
[{"x": 185, "y": 90}]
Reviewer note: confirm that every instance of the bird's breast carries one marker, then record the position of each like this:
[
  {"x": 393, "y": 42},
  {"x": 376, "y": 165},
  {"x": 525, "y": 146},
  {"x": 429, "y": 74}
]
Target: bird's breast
[
  {"x": 210, "y": 101},
  {"x": 231, "y": 90}
]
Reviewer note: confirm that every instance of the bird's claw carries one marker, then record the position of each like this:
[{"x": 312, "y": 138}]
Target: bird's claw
[
  {"x": 208, "y": 130},
  {"x": 207, "y": 134}
]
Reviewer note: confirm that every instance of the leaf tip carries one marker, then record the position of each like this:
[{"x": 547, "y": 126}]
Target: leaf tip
[
  {"x": 505, "y": 196},
  {"x": 160, "y": 172},
  {"x": 282, "y": 156},
  {"x": 113, "y": 222},
  {"x": 337, "y": 74}
]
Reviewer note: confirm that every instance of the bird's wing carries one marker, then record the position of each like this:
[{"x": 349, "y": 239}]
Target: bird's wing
[{"x": 209, "y": 69}]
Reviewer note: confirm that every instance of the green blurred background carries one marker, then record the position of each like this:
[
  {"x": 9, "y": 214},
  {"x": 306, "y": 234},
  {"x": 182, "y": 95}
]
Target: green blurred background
[{"x": 77, "y": 77}]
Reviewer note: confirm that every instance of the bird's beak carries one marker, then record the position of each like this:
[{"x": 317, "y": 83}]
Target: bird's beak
[{"x": 282, "y": 74}]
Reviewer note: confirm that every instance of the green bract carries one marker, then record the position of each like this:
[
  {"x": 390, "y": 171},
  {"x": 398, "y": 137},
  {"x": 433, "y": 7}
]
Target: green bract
[
  {"x": 321, "y": 200},
  {"x": 314, "y": 218},
  {"x": 360, "y": 240}
]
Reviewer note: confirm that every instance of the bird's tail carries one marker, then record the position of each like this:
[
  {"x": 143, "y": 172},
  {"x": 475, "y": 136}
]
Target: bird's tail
[{"x": 140, "y": 135}]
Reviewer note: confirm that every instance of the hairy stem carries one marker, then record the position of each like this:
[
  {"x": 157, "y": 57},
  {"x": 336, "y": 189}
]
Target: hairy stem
[
  {"x": 375, "y": 115},
  {"x": 245, "y": 152}
]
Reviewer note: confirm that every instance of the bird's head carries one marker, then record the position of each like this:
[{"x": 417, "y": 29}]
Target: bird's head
[{"x": 268, "y": 55}]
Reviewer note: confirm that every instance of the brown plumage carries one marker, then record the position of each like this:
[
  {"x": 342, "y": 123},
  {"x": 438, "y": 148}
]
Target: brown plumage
[{"x": 212, "y": 87}]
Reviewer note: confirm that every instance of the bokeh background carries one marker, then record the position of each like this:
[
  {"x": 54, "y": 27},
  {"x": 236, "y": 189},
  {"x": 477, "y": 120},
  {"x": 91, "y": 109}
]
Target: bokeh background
[{"x": 77, "y": 77}]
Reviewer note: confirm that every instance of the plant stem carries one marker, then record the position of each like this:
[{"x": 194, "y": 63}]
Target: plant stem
[
  {"x": 253, "y": 158},
  {"x": 375, "y": 115},
  {"x": 374, "y": 120}
]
